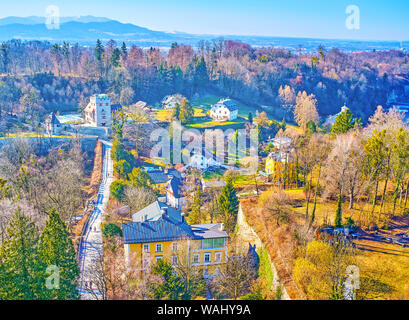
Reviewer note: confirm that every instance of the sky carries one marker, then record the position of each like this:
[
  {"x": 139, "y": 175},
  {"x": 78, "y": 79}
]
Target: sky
[{"x": 378, "y": 19}]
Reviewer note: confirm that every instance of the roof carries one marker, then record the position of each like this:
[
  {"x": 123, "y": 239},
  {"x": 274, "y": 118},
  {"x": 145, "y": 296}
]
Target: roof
[
  {"x": 228, "y": 103},
  {"x": 158, "y": 176},
  {"x": 167, "y": 227},
  {"x": 163, "y": 229},
  {"x": 175, "y": 173},
  {"x": 153, "y": 212},
  {"x": 53, "y": 119},
  {"x": 174, "y": 187},
  {"x": 208, "y": 231}
]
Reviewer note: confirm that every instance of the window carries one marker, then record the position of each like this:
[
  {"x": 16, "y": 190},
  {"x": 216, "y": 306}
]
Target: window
[
  {"x": 207, "y": 257},
  {"x": 159, "y": 247},
  {"x": 196, "y": 258},
  {"x": 218, "y": 257},
  {"x": 207, "y": 243},
  {"x": 174, "y": 246},
  {"x": 175, "y": 260},
  {"x": 146, "y": 248},
  {"x": 159, "y": 258},
  {"x": 219, "y": 243}
]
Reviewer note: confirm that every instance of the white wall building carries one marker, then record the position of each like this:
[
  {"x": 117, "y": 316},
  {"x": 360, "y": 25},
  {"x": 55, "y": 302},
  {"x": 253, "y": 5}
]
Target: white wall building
[
  {"x": 98, "y": 111},
  {"x": 224, "y": 110}
]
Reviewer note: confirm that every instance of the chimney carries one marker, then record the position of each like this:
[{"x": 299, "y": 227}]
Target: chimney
[{"x": 221, "y": 227}]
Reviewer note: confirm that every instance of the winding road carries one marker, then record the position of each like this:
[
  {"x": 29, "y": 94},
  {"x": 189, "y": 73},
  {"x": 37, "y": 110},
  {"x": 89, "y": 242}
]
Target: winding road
[{"x": 91, "y": 243}]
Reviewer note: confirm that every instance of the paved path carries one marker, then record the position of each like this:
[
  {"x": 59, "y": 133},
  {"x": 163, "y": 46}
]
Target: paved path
[{"x": 91, "y": 243}]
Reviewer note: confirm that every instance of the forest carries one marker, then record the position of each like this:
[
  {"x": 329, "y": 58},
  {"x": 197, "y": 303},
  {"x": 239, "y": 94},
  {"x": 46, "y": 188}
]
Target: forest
[{"x": 40, "y": 77}]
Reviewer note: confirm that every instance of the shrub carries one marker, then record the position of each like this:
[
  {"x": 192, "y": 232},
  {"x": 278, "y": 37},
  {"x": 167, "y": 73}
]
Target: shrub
[
  {"x": 118, "y": 189},
  {"x": 112, "y": 230}
]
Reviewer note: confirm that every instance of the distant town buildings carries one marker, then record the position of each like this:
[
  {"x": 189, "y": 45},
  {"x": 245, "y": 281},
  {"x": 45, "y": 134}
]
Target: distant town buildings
[
  {"x": 224, "y": 110},
  {"x": 98, "y": 112},
  {"x": 53, "y": 126}
]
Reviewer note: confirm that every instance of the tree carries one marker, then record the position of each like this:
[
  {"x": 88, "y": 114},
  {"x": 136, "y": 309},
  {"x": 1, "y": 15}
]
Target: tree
[
  {"x": 197, "y": 203},
  {"x": 287, "y": 97},
  {"x": 305, "y": 109},
  {"x": 173, "y": 284},
  {"x": 229, "y": 205},
  {"x": 117, "y": 189},
  {"x": 99, "y": 50},
  {"x": 321, "y": 272},
  {"x": 236, "y": 277},
  {"x": 122, "y": 169},
  {"x": 112, "y": 230},
  {"x": 138, "y": 198},
  {"x": 344, "y": 122},
  {"x": 276, "y": 204},
  {"x": 116, "y": 57},
  {"x": 250, "y": 117},
  {"x": 338, "y": 214},
  {"x": 21, "y": 271},
  {"x": 186, "y": 111},
  {"x": 140, "y": 178},
  {"x": 124, "y": 50},
  {"x": 56, "y": 249}
]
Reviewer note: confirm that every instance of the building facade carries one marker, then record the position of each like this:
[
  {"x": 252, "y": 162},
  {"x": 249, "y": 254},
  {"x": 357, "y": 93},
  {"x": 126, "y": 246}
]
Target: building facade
[
  {"x": 224, "y": 110},
  {"x": 53, "y": 126},
  {"x": 98, "y": 112},
  {"x": 159, "y": 232}
]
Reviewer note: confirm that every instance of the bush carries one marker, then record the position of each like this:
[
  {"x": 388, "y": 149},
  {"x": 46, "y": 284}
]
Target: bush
[
  {"x": 112, "y": 230},
  {"x": 118, "y": 189}
]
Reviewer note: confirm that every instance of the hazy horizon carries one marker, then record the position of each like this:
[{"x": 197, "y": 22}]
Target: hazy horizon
[{"x": 319, "y": 19}]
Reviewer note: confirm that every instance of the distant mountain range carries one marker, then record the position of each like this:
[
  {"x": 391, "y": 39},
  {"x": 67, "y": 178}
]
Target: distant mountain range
[{"x": 87, "y": 29}]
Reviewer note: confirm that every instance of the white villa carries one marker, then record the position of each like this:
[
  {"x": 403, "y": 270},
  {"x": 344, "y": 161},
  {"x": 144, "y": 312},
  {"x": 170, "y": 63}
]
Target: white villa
[
  {"x": 224, "y": 110},
  {"x": 170, "y": 102},
  {"x": 201, "y": 162},
  {"x": 53, "y": 126},
  {"x": 98, "y": 112}
]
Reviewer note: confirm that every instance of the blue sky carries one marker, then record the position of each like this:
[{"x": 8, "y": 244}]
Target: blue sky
[{"x": 379, "y": 19}]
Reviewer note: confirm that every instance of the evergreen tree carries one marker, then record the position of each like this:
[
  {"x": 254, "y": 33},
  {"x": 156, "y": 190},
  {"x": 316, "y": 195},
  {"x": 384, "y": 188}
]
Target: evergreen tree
[
  {"x": 338, "y": 215},
  {"x": 116, "y": 56},
  {"x": 250, "y": 117},
  {"x": 311, "y": 128},
  {"x": 99, "y": 50},
  {"x": 195, "y": 212},
  {"x": 201, "y": 77},
  {"x": 344, "y": 122},
  {"x": 21, "y": 276},
  {"x": 173, "y": 284},
  {"x": 124, "y": 50},
  {"x": 229, "y": 205},
  {"x": 56, "y": 248}
]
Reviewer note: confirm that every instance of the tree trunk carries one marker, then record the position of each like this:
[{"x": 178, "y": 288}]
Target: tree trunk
[
  {"x": 374, "y": 198},
  {"x": 383, "y": 195},
  {"x": 406, "y": 196},
  {"x": 351, "y": 198},
  {"x": 308, "y": 196},
  {"x": 315, "y": 197}
]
